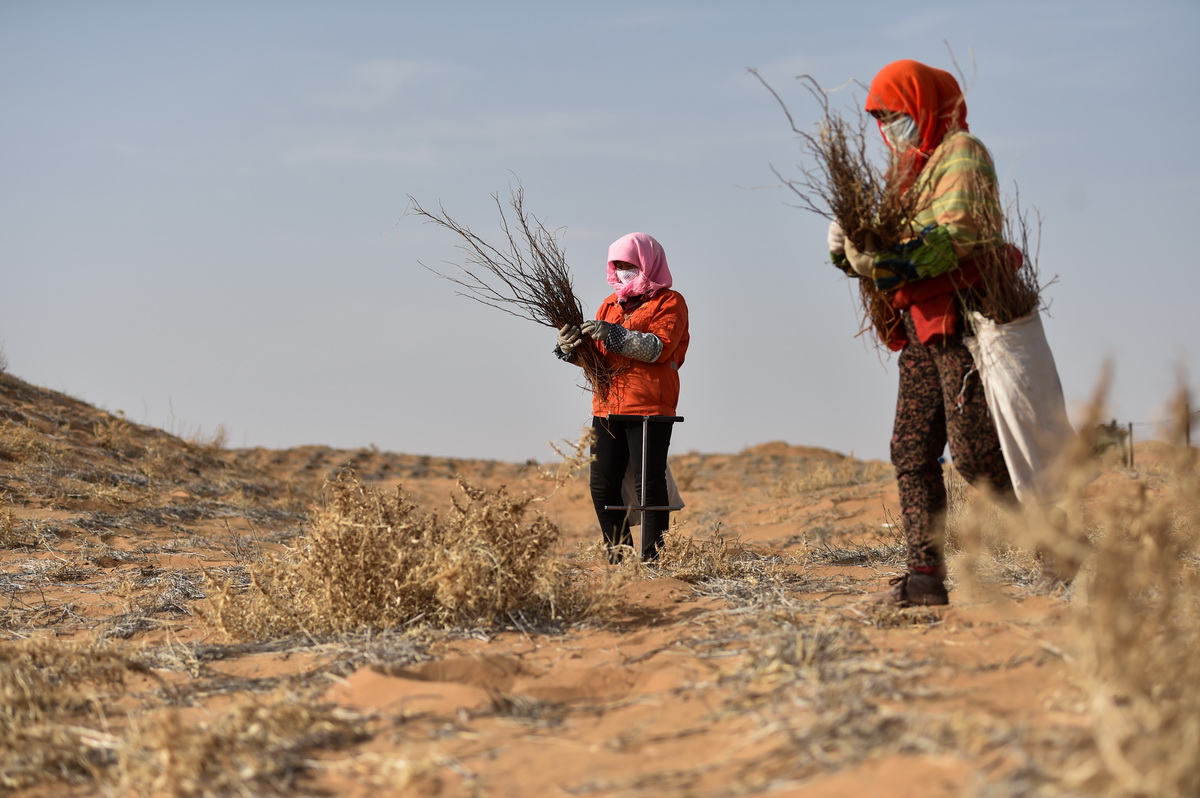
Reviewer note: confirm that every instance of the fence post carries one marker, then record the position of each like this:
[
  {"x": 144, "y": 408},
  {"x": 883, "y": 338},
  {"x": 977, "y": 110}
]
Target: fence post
[{"x": 1131, "y": 445}]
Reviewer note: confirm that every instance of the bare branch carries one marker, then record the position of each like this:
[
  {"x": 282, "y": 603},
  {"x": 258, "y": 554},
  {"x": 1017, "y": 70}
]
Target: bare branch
[
  {"x": 841, "y": 182},
  {"x": 526, "y": 276}
]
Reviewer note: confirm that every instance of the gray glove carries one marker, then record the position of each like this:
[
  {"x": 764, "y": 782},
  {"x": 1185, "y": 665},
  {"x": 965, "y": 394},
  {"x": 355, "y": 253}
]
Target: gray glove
[
  {"x": 569, "y": 338},
  {"x": 862, "y": 262},
  {"x": 637, "y": 345},
  {"x": 596, "y": 329}
]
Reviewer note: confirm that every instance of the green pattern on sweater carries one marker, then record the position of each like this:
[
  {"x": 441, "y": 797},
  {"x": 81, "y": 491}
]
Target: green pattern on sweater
[
  {"x": 959, "y": 210},
  {"x": 959, "y": 191}
]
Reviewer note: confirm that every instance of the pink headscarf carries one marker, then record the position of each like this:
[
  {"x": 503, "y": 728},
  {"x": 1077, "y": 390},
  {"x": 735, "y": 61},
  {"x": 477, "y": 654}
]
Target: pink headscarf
[{"x": 647, "y": 254}]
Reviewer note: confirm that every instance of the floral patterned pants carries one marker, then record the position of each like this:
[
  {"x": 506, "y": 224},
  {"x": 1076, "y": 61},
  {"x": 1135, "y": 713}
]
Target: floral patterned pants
[{"x": 941, "y": 401}]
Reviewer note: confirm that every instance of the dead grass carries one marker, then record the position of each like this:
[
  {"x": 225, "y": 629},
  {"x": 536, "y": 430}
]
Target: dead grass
[
  {"x": 817, "y": 685},
  {"x": 255, "y": 747},
  {"x": 10, "y": 535},
  {"x": 836, "y": 474},
  {"x": 117, "y": 435},
  {"x": 716, "y": 559},
  {"x": 772, "y": 652},
  {"x": 52, "y": 705},
  {"x": 20, "y": 442},
  {"x": 65, "y": 716},
  {"x": 1138, "y": 625},
  {"x": 378, "y": 561},
  {"x": 887, "y": 552},
  {"x": 1135, "y": 609}
]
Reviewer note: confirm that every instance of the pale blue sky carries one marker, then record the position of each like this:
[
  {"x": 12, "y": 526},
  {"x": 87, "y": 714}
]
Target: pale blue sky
[{"x": 200, "y": 205}]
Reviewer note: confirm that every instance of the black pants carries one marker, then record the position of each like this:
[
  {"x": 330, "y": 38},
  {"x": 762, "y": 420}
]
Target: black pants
[{"x": 619, "y": 443}]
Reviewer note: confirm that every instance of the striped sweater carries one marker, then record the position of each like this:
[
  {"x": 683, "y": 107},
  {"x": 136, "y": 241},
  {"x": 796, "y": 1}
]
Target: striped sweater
[{"x": 958, "y": 210}]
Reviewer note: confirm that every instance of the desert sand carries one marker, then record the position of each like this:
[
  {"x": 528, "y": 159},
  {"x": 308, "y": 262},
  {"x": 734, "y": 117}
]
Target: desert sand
[{"x": 754, "y": 669}]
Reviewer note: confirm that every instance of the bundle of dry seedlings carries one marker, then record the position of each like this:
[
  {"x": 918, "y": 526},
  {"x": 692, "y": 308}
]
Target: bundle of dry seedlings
[
  {"x": 527, "y": 277},
  {"x": 376, "y": 561},
  {"x": 844, "y": 185},
  {"x": 1006, "y": 294}
]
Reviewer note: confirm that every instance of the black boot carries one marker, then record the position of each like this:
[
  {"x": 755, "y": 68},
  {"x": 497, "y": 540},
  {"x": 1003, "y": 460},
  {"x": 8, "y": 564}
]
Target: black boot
[
  {"x": 618, "y": 538},
  {"x": 652, "y": 533}
]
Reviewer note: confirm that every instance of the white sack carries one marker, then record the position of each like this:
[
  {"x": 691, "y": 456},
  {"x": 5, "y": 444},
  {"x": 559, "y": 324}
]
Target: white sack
[
  {"x": 629, "y": 493},
  {"x": 1025, "y": 398}
]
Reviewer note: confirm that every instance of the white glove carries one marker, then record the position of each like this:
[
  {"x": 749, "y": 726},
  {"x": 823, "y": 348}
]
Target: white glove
[
  {"x": 569, "y": 338},
  {"x": 837, "y": 237},
  {"x": 861, "y": 262},
  {"x": 596, "y": 329}
]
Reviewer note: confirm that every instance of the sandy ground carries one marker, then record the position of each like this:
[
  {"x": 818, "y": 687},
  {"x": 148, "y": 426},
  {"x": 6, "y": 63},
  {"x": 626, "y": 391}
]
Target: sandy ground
[{"x": 777, "y": 680}]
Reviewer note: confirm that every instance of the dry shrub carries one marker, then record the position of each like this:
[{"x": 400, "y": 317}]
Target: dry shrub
[
  {"x": 117, "y": 435},
  {"x": 52, "y": 699},
  {"x": 387, "y": 774},
  {"x": 209, "y": 444},
  {"x": 163, "y": 463},
  {"x": 256, "y": 747},
  {"x": 376, "y": 561},
  {"x": 846, "y": 471},
  {"x": 10, "y": 537},
  {"x": 1138, "y": 626},
  {"x": 1136, "y": 618},
  {"x": 978, "y": 526},
  {"x": 574, "y": 456},
  {"x": 20, "y": 442},
  {"x": 691, "y": 560}
]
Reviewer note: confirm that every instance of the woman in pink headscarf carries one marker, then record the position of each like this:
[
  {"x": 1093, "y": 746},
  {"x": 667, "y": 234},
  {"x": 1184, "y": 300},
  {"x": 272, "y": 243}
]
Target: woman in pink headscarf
[{"x": 642, "y": 330}]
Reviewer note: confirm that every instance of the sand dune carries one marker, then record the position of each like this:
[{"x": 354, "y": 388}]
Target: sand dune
[{"x": 746, "y": 664}]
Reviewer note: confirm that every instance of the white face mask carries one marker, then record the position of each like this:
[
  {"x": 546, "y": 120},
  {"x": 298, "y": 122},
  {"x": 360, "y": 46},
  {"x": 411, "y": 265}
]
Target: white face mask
[
  {"x": 902, "y": 133},
  {"x": 625, "y": 275}
]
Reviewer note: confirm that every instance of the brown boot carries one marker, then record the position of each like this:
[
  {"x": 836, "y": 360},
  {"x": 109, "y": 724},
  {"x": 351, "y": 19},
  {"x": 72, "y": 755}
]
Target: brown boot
[
  {"x": 1051, "y": 578},
  {"x": 1054, "y": 573},
  {"x": 914, "y": 590}
]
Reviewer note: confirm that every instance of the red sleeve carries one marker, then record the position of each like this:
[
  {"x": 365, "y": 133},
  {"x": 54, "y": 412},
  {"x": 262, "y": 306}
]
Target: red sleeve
[{"x": 670, "y": 324}]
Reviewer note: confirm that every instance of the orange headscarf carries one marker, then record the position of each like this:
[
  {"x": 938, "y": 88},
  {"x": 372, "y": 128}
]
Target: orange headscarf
[{"x": 932, "y": 97}]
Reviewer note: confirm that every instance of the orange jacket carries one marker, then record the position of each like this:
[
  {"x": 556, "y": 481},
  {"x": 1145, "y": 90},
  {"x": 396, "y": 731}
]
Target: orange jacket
[{"x": 639, "y": 388}]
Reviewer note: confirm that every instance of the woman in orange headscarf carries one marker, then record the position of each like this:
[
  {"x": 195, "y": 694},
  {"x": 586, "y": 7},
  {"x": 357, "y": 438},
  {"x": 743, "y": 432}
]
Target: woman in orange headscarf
[{"x": 922, "y": 116}]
